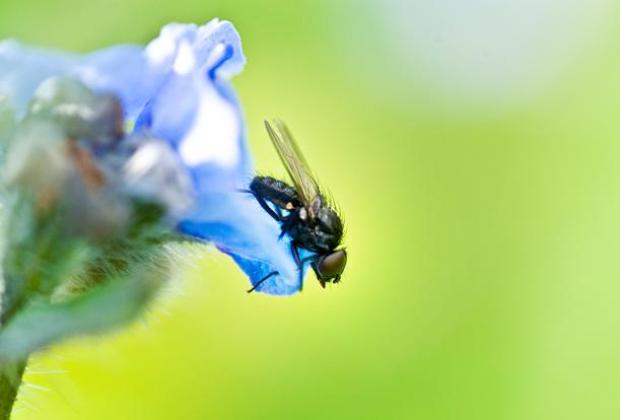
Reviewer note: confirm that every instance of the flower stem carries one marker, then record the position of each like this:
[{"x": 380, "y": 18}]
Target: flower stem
[
  {"x": 11, "y": 372},
  {"x": 10, "y": 380}
]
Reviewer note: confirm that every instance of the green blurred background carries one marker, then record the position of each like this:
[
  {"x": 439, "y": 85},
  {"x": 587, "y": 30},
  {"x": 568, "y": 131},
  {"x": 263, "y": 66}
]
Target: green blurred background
[{"x": 474, "y": 148}]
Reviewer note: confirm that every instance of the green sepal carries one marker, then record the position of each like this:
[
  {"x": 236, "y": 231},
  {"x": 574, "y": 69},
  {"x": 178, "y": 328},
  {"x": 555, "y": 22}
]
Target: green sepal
[{"x": 106, "y": 306}]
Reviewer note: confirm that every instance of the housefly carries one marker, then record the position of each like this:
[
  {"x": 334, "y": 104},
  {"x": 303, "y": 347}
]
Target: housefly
[{"x": 302, "y": 211}]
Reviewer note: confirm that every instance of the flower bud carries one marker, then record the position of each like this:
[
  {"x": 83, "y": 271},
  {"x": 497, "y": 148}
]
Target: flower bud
[
  {"x": 154, "y": 172},
  {"x": 37, "y": 161},
  {"x": 83, "y": 114}
]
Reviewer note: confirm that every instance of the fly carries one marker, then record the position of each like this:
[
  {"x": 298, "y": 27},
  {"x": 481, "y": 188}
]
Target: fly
[{"x": 302, "y": 211}]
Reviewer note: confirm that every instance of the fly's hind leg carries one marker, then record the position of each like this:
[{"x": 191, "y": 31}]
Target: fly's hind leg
[{"x": 277, "y": 215}]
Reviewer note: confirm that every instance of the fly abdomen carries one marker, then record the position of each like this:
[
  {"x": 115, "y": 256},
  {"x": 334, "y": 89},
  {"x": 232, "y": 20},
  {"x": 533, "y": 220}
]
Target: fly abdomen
[{"x": 275, "y": 191}]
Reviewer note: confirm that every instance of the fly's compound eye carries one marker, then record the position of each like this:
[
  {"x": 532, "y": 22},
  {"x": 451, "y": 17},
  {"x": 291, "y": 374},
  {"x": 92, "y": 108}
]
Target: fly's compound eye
[{"x": 332, "y": 265}]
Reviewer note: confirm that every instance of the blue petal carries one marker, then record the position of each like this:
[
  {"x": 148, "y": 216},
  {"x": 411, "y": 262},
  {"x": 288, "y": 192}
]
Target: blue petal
[
  {"x": 178, "y": 88},
  {"x": 241, "y": 228},
  {"x": 23, "y": 69},
  {"x": 206, "y": 126},
  {"x": 124, "y": 70}
]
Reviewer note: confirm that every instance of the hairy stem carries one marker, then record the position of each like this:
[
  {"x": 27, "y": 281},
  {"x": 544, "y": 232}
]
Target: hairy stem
[
  {"x": 11, "y": 372},
  {"x": 10, "y": 380}
]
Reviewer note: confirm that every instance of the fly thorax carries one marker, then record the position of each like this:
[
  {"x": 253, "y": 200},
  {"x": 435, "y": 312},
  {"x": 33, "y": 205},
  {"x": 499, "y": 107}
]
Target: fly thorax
[
  {"x": 328, "y": 227},
  {"x": 315, "y": 207}
]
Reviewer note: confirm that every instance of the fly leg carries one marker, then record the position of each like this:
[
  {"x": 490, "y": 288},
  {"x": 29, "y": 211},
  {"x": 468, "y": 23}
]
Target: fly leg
[
  {"x": 298, "y": 260},
  {"x": 288, "y": 221},
  {"x": 261, "y": 281},
  {"x": 276, "y": 214},
  {"x": 263, "y": 203},
  {"x": 295, "y": 252},
  {"x": 300, "y": 264}
]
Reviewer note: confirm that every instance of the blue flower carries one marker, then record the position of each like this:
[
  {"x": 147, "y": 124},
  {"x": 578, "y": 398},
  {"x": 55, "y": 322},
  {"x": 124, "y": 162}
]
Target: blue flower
[{"x": 178, "y": 89}]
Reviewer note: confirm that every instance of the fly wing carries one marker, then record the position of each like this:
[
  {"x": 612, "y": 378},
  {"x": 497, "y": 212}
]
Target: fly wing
[{"x": 293, "y": 160}]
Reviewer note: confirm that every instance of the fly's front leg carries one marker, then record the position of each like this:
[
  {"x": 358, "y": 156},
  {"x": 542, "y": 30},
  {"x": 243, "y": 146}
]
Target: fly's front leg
[
  {"x": 300, "y": 264},
  {"x": 295, "y": 252},
  {"x": 298, "y": 260}
]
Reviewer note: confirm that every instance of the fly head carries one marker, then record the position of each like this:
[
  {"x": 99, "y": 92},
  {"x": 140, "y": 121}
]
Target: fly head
[{"x": 329, "y": 267}]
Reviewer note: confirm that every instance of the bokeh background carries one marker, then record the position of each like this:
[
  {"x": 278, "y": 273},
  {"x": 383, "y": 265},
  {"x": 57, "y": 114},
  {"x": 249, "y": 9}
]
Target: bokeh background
[{"x": 474, "y": 148}]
